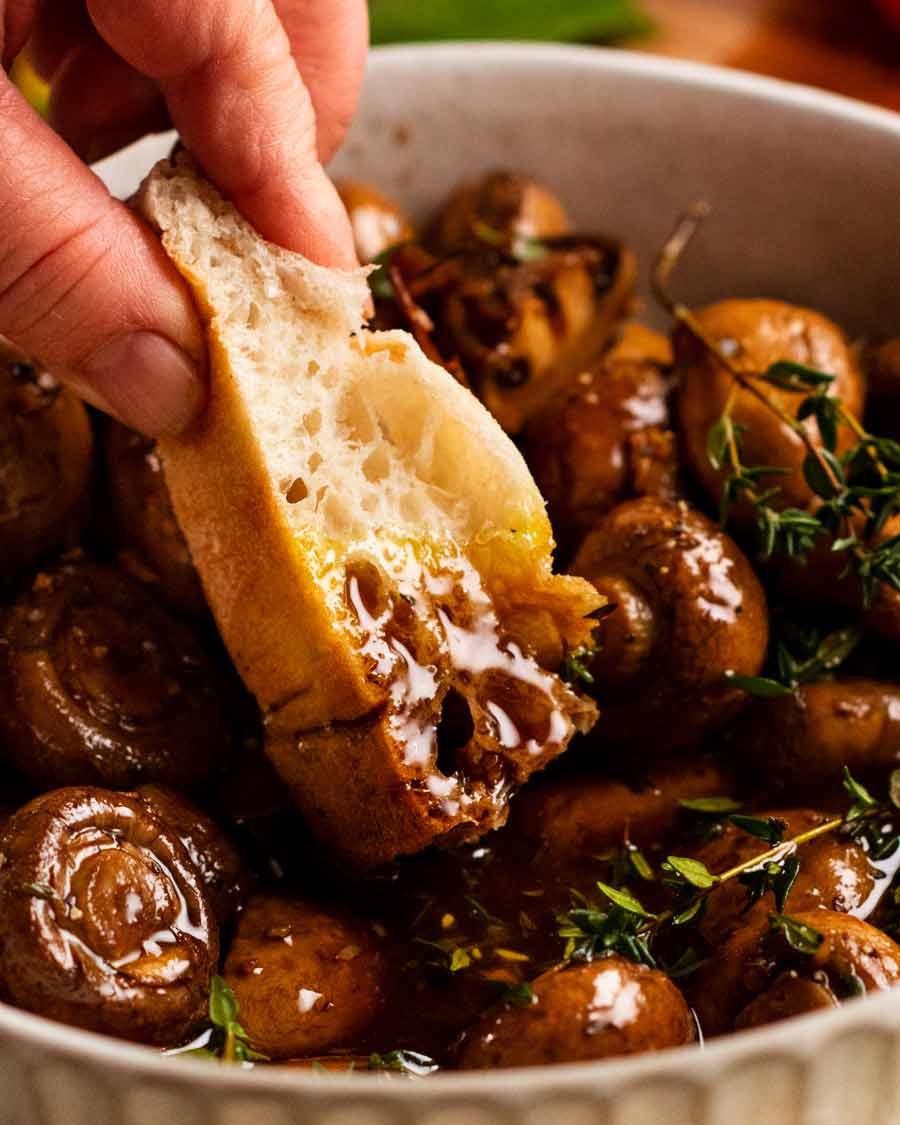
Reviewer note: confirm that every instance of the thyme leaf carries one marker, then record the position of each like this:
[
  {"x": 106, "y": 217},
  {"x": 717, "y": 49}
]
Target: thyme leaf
[
  {"x": 799, "y": 935},
  {"x": 404, "y": 1062},
  {"x": 574, "y": 667}
]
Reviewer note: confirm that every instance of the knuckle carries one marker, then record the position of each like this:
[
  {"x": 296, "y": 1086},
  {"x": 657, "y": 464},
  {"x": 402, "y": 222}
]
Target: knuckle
[{"x": 42, "y": 294}]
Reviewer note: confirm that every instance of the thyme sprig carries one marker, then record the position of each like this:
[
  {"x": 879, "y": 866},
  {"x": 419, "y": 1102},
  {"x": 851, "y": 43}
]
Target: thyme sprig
[
  {"x": 575, "y": 666},
  {"x": 857, "y": 491},
  {"x": 227, "y": 1041},
  {"x": 628, "y": 928},
  {"x": 799, "y": 655}
]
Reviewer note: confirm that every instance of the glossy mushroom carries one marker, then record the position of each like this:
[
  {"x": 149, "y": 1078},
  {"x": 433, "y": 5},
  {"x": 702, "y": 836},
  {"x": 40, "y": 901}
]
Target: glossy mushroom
[
  {"x": 689, "y": 610},
  {"x": 98, "y": 684},
  {"x": 581, "y": 816},
  {"x": 505, "y": 203},
  {"x": 378, "y": 223},
  {"x": 46, "y": 457},
  {"x": 755, "y": 334},
  {"x": 757, "y": 976},
  {"x": 510, "y": 301},
  {"x": 225, "y": 875},
  {"x": 585, "y": 1012},
  {"x": 608, "y": 441},
  {"x": 806, "y": 738},
  {"x": 152, "y": 546},
  {"x": 306, "y": 978},
  {"x": 104, "y": 921},
  {"x": 835, "y": 874}
]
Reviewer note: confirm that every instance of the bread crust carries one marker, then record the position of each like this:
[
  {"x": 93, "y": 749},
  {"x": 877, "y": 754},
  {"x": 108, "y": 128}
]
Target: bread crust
[{"x": 267, "y": 604}]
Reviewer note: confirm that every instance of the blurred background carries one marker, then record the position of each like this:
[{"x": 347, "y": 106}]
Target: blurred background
[{"x": 849, "y": 46}]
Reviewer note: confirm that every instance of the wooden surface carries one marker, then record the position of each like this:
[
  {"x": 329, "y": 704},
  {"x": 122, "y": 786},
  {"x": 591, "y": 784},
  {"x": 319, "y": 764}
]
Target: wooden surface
[{"x": 841, "y": 45}]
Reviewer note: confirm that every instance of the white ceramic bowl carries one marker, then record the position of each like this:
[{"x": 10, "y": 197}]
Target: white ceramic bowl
[{"x": 806, "y": 189}]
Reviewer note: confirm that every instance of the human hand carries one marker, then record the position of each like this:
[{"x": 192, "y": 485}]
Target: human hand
[{"x": 84, "y": 285}]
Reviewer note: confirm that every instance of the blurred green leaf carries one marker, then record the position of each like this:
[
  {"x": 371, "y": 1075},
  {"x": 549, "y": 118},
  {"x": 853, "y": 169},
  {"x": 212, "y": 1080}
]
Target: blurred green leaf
[
  {"x": 35, "y": 89},
  {"x": 590, "y": 21}
]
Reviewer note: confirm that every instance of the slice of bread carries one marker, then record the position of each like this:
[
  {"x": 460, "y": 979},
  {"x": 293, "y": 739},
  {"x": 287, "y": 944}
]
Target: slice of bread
[{"x": 369, "y": 541}]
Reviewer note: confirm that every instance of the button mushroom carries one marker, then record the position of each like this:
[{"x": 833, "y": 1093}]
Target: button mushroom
[
  {"x": 581, "y": 816},
  {"x": 46, "y": 455},
  {"x": 226, "y": 877},
  {"x": 808, "y": 737},
  {"x": 594, "y": 1011},
  {"x": 507, "y": 204},
  {"x": 758, "y": 976},
  {"x": 834, "y": 873},
  {"x": 104, "y": 921},
  {"x": 689, "y": 610},
  {"x": 306, "y": 978},
  {"x": 609, "y": 440},
  {"x": 100, "y": 685},
  {"x": 755, "y": 334}
]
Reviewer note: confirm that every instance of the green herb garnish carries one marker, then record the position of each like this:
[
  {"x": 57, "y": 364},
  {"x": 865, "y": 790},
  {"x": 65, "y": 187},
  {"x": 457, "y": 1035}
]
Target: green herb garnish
[
  {"x": 518, "y": 995},
  {"x": 574, "y": 667},
  {"x": 679, "y": 869},
  {"x": 403, "y": 1062},
  {"x": 769, "y": 828},
  {"x": 859, "y": 485},
  {"x": 777, "y": 876},
  {"x": 228, "y": 1041},
  {"x": 800, "y": 655},
  {"x": 799, "y": 935},
  {"x": 863, "y": 801}
]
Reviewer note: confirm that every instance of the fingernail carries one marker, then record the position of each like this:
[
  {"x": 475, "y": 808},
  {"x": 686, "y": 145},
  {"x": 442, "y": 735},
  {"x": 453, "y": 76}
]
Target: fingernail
[{"x": 147, "y": 381}]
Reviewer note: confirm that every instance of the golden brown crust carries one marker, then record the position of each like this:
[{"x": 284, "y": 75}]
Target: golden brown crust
[{"x": 268, "y": 606}]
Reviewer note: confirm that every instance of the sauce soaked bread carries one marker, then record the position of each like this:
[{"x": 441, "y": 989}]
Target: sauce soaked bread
[{"x": 339, "y": 453}]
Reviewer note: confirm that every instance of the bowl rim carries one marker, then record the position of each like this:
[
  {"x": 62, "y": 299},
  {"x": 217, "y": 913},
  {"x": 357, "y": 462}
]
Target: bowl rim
[
  {"x": 798, "y": 1037},
  {"x": 472, "y": 54}
]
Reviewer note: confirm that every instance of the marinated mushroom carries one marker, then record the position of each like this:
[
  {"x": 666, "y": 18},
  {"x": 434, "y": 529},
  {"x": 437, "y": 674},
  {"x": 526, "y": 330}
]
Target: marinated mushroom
[
  {"x": 378, "y": 222},
  {"x": 104, "y": 921},
  {"x": 609, "y": 440},
  {"x": 153, "y": 548},
  {"x": 689, "y": 611},
  {"x": 835, "y": 873},
  {"x": 594, "y": 1011},
  {"x": 306, "y": 978},
  {"x": 46, "y": 460},
  {"x": 581, "y": 817},
  {"x": 807, "y": 738},
  {"x": 506, "y": 204},
  {"x": 516, "y": 315},
  {"x": 98, "y": 684},
  {"x": 758, "y": 975},
  {"x": 755, "y": 334},
  {"x": 226, "y": 877}
]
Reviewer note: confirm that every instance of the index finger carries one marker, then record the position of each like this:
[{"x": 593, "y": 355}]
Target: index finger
[{"x": 236, "y": 96}]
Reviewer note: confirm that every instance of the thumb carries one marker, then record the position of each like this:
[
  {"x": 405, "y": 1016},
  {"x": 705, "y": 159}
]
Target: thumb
[{"x": 85, "y": 286}]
